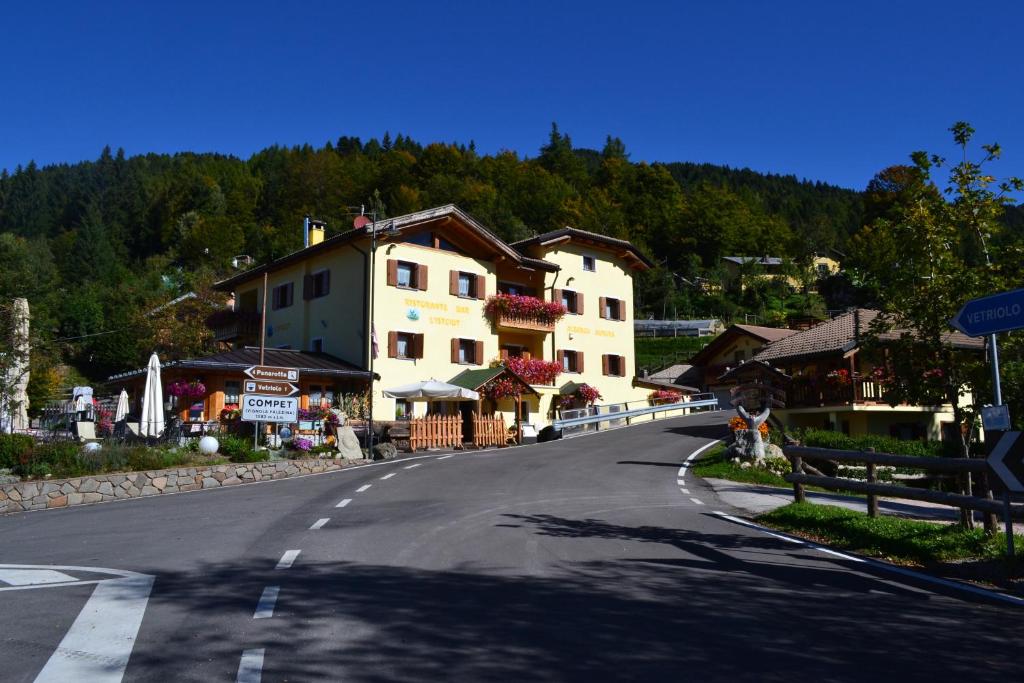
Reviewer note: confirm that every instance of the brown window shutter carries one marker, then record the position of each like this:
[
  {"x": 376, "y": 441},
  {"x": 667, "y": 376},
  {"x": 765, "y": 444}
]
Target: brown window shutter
[
  {"x": 421, "y": 277},
  {"x": 602, "y": 303},
  {"x": 453, "y": 282},
  {"x": 504, "y": 354},
  {"x": 392, "y": 345},
  {"x": 274, "y": 299},
  {"x": 392, "y": 272},
  {"x": 455, "y": 350},
  {"x": 622, "y": 309},
  {"x": 560, "y": 358},
  {"x": 579, "y": 362},
  {"x": 481, "y": 286},
  {"x": 556, "y": 296},
  {"x": 579, "y": 303},
  {"x": 622, "y": 366},
  {"x": 417, "y": 346},
  {"x": 604, "y": 363},
  {"x": 307, "y": 287},
  {"x": 478, "y": 353}
]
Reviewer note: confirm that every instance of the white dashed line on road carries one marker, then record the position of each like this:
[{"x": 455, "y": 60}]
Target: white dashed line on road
[
  {"x": 265, "y": 607},
  {"x": 343, "y": 503},
  {"x": 697, "y": 501},
  {"x": 287, "y": 559},
  {"x": 319, "y": 524},
  {"x": 445, "y": 457},
  {"x": 388, "y": 476},
  {"x": 250, "y": 669},
  {"x": 409, "y": 467},
  {"x": 363, "y": 488},
  {"x": 685, "y": 491}
]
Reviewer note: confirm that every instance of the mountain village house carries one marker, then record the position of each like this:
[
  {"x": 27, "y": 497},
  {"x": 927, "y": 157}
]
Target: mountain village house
[{"x": 434, "y": 295}]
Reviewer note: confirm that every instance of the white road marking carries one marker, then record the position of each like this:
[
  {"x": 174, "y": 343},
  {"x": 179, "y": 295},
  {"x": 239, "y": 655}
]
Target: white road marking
[
  {"x": 445, "y": 457},
  {"x": 319, "y": 524},
  {"x": 388, "y": 476},
  {"x": 682, "y": 490},
  {"x": 409, "y": 467},
  {"x": 697, "y": 501},
  {"x": 701, "y": 450},
  {"x": 265, "y": 607},
  {"x": 977, "y": 590},
  {"x": 250, "y": 669},
  {"x": 100, "y": 641},
  {"x": 287, "y": 559},
  {"x": 681, "y": 481},
  {"x": 33, "y": 577},
  {"x": 343, "y": 503},
  {"x": 363, "y": 488}
]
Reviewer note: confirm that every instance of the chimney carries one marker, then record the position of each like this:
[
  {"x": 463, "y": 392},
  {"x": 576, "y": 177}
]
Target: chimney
[
  {"x": 305, "y": 232},
  {"x": 856, "y": 326},
  {"x": 317, "y": 231}
]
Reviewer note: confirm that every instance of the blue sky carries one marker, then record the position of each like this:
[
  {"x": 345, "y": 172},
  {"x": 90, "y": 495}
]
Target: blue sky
[{"x": 829, "y": 91}]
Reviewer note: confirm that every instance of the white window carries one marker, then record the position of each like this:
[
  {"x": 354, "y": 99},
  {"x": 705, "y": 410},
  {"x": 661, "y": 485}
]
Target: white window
[
  {"x": 404, "y": 345},
  {"x": 282, "y": 296},
  {"x": 321, "y": 284},
  {"x": 403, "y": 411},
  {"x": 467, "y": 285},
  {"x": 467, "y": 351},
  {"x": 406, "y": 274},
  {"x": 570, "y": 301},
  {"x": 589, "y": 263},
  {"x": 232, "y": 390},
  {"x": 570, "y": 361}
]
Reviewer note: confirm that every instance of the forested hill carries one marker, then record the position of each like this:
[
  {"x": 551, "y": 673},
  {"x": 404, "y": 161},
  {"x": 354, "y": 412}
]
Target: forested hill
[{"x": 93, "y": 244}]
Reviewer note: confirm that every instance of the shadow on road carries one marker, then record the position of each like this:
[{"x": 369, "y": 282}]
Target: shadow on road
[
  {"x": 705, "y": 431},
  {"x": 724, "y": 606}
]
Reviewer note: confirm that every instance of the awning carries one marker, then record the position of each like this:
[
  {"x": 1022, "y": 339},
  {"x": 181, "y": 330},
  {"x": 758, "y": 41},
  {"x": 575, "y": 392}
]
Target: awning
[{"x": 432, "y": 390}]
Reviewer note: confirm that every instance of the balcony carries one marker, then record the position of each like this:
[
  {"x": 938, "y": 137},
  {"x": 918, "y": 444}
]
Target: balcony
[
  {"x": 815, "y": 392},
  {"x": 516, "y": 313},
  {"x": 234, "y": 326}
]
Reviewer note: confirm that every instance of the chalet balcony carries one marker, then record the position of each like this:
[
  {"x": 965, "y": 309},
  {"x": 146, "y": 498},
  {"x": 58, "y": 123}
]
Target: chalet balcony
[
  {"x": 819, "y": 392},
  {"x": 234, "y": 326},
  {"x": 517, "y": 313}
]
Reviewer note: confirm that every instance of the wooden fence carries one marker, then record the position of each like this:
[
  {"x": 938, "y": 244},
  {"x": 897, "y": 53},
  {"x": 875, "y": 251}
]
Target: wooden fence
[
  {"x": 804, "y": 474},
  {"x": 489, "y": 431},
  {"x": 435, "y": 431}
]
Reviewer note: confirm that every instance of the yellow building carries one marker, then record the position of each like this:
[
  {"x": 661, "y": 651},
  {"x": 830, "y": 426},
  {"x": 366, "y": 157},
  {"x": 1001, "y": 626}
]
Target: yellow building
[
  {"x": 740, "y": 270},
  {"x": 423, "y": 294}
]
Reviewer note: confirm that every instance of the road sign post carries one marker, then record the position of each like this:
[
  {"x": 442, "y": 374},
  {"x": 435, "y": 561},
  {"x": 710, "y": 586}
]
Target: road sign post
[
  {"x": 264, "y": 388},
  {"x": 259, "y": 408},
  {"x": 1006, "y": 459}
]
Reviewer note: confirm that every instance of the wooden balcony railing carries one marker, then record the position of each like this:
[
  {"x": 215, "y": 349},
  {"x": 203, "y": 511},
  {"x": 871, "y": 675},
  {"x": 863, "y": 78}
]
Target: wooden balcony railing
[
  {"x": 823, "y": 393},
  {"x": 507, "y": 321}
]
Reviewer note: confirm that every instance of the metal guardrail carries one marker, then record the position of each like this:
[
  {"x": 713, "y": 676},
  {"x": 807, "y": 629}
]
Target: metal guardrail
[{"x": 616, "y": 414}]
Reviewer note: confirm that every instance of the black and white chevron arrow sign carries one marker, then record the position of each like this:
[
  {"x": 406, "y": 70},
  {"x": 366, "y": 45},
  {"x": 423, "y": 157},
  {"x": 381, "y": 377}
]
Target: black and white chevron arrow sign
[{"x": 1007, "y": 460}]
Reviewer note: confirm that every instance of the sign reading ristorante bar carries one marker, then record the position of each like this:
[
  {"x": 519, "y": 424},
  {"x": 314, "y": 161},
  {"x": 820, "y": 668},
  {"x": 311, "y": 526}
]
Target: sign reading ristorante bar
[
  {"x": 269, "y": 372},
  {"x": 257, "y": 408}
]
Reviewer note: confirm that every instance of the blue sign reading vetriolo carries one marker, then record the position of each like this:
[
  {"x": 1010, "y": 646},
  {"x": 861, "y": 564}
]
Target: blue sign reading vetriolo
[{"x": 991, "y": 314}]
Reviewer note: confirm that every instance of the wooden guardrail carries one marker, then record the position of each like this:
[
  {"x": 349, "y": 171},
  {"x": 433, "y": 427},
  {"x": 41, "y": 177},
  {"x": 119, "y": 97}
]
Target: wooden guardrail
[{"x": 799, "y": 478}]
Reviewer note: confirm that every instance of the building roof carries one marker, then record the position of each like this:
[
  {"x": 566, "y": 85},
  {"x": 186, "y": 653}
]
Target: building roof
[
  {"x": 385, "y": 228},
  {"x": 586, "y": 236},
  {"x": 649, "y": 383},
  {"x": 841, "y": 334},
  {"x": 754, "y": 367},
  {"x": 307, "y": 362},
  {"x": 722, "y": 341},
  {"x": 476, "y": 379},
  {"x": 760, "y": 260}
]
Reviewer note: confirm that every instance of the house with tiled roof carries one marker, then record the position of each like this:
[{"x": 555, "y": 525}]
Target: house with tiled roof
[
  {"x": 738, "y": 343},
  {"x": 831, "y": 384},
  {"x": 740, "y": 270}
]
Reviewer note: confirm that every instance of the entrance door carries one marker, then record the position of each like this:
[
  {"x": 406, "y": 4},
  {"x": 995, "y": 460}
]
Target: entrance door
[{"x": 466, "y": 409}]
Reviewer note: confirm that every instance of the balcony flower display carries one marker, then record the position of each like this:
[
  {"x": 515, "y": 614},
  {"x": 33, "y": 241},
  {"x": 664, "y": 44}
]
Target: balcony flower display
[
  {"x": 502, "y": 388},
  {"x": 533, "y": 370},
  {"x": 663, "y": 396},
  {"x": 182, "y": 389},
  {"x": 230, "y": 412},
  {"x": 840, "y": 378},
  {"x": 525, "y": 308},
  {"x": 738, "y": 424}
]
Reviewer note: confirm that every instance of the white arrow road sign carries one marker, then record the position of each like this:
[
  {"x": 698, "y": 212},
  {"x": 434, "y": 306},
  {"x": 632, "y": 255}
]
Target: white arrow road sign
[
  {"x": 1007, "y": 460},
  {"x": 97, "y": 646}
]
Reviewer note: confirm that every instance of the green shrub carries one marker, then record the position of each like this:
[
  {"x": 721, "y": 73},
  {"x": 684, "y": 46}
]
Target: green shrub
[
  {"x": 238, "y": 449},
  {"x": 820, "y": 438},
  {"x": 12, "y": 448},
  {"x": 57, "y": 458}
]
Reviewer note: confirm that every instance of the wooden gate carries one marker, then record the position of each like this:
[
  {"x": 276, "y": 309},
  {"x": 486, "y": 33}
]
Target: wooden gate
[
  {"x": 489, "y": 431},
  {"x": 435, "y": 431}
]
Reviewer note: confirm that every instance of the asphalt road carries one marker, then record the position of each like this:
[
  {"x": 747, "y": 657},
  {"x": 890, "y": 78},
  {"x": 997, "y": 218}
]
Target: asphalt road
[{"x": 576, "y": 560}]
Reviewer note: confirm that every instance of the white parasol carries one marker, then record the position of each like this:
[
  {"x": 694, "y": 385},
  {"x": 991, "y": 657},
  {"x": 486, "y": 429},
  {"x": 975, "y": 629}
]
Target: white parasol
[
  {"x": 121, "y": 412},
  {"x": 432, "y": 390},
  {"x": 152, "y": 418}
]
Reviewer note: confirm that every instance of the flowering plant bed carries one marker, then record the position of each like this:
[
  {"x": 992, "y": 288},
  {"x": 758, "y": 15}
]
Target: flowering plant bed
[
  {"x": 525, "y": 308},
  {"x": 839, "y": 378},
  {"x": 503, "y": 387},
  {"x": 738, "y": 424},
  {"x": 664, "y": 396}
]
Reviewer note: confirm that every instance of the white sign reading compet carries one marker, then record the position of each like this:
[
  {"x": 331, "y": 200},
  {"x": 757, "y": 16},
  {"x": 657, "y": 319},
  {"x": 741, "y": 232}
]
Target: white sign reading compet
[{"x": 258, "y": 408}]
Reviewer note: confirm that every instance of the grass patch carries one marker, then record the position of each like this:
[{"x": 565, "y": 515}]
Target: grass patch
[
  {"x": 656, "y": 352},
  {"x": 713, "y": 464},
  {"x": 902, "y": 541}
]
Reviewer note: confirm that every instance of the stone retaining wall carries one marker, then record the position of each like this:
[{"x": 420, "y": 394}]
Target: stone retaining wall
[{"x": 100, "y": 488}]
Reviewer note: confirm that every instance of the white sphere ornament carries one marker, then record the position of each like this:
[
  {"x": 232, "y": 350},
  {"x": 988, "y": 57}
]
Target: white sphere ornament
[
  {"x": 208, "y": 445},
  {"x": 92, "y": 447}
]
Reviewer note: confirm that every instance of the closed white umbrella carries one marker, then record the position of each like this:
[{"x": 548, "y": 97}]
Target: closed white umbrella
[
  {"x": 151, "y": 422},
  {"x": 121, "y": 412},
  {"x": 19, "y": 370},
  {"x": 432, "y": 390}
]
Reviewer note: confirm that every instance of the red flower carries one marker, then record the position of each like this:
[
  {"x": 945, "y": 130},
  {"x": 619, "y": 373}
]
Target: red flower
[{"x": 528, "y": 307}]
